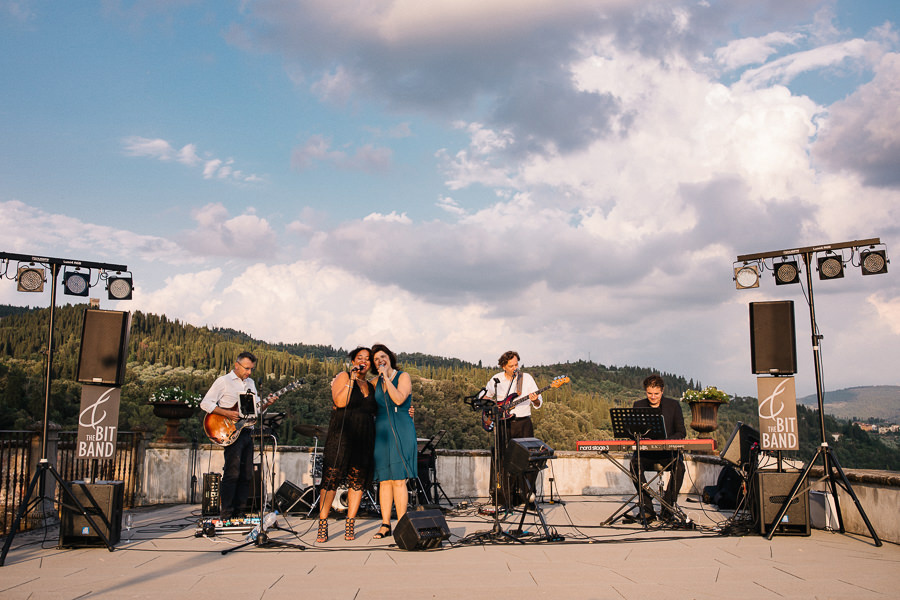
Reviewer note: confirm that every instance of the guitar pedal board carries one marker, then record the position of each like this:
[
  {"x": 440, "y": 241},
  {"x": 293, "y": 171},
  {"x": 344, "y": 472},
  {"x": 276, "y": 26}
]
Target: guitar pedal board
[{"x": 216, "y": 526}]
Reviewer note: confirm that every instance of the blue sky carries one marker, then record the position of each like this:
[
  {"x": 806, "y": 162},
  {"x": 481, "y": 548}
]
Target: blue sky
[{"x": 569, "y": 178}]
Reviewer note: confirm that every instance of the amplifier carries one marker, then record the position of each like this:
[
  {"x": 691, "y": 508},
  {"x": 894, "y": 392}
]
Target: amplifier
[
  {"x": 103, "y": 501},
  {"x": 211, "y": 500},
  {"x": 771, "y": 491},
  {"x": 526, "y": 454}
]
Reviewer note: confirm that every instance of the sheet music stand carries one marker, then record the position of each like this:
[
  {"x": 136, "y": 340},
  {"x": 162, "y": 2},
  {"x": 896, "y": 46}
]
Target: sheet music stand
[
  {"x": 641, "y": 423},
  {"x": 427, "y": 449}
]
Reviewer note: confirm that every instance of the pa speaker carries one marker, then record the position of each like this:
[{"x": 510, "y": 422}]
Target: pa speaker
[
  {"x": 771, "y": 492},
  {"x": 740, "y": 445},
  {"x": 773, "y": 342},
  {"x": 288, "y": 499},
  {"x": 104, "y": 347},
  {"x": 421, "y": 530},
  {"x": 103, "y": 501}
]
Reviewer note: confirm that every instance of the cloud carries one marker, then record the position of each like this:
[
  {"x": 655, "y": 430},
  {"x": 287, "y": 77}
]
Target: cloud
[
  {"x": 783, "y": 70},
  {"x": 748, "y": 51},
  {"x": 34, "y": 231},
  {"x": 217, "y": 233},
  {"x": 211, "y": 168},
  {"x": 366, "y": 158},
  {"x": 861, "y": 133}
]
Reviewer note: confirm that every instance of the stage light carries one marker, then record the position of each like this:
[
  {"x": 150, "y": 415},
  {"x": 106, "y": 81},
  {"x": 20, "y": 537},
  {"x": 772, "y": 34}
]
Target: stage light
[
  {"x": 746, "y": 276},
  {"x": 76, "y": 283},
  {"x": 786, "y": 272},
  {"x": 30, "y": 279},
  {"x": 831, "y": 267},
  {"x": 119, "y": 287},
  {"x": 873, "y": 262}
]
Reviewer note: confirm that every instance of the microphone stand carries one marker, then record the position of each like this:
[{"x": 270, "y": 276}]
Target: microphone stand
[{"x": 262, "y": 539}]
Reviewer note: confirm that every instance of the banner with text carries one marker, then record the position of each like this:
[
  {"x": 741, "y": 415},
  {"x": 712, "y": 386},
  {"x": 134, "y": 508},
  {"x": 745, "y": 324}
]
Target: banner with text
[
  {"x": 777, "y": 413},
  {"x": 98, "y": 421}
]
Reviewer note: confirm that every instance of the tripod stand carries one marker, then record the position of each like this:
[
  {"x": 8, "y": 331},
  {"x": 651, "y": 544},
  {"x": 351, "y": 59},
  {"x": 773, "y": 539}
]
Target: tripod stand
[
  {"x": 39, "y": 480},
  {"x": 262, "y": 539},
  {"x": 829, "y": 461}
]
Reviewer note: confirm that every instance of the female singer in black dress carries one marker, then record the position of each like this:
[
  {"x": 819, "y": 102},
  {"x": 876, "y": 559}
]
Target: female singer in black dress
[{"x": 350, "y": 442}]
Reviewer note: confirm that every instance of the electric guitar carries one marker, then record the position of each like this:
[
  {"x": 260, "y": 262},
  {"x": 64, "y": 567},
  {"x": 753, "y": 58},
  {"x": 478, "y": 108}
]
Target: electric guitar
[
  {"x": 224, "y": 431},
  {"x": 511, "y": 401}
]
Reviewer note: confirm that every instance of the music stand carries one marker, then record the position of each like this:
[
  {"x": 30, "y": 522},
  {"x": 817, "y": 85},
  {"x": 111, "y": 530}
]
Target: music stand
[
  {"x": 427, "y": 451},
  {"x": 637, "y": 424}
]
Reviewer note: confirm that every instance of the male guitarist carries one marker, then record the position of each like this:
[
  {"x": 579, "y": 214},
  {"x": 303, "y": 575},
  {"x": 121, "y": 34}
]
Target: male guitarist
[
  {"x": 222, "y": 399},
  {"x": 512, "y": 382}
]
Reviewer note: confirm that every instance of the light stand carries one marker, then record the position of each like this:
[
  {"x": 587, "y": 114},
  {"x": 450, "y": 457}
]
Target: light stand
[
  {"x": 832, "y": 468},
  {"x": 44, "y": 466}
]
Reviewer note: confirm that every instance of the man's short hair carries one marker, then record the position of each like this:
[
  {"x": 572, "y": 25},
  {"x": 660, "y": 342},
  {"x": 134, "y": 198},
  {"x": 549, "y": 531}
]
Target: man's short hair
[
  {"x": 508, "y": 356},
  {"x": 244, "y": 355},
  {"x": 654, "y": 381}
]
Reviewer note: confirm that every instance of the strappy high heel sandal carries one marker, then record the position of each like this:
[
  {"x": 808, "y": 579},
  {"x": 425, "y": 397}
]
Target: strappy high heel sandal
[
  {"x": 383, "y": 534},
  {"x": 349, "y": 529},
  {"x": 322, "y": 534}
]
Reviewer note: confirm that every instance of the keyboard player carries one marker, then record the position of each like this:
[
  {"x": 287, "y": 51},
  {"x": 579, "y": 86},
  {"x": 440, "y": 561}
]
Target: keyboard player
[{"x": 674, "y": 420}]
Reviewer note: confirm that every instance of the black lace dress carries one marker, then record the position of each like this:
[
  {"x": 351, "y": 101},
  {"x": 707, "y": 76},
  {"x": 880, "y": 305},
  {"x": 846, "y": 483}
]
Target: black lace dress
[{"x": 349, "y": 446}]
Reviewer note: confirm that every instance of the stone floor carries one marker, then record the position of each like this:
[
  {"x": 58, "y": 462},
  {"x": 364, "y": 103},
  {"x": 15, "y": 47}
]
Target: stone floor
[{"x": 166, "y": 560}]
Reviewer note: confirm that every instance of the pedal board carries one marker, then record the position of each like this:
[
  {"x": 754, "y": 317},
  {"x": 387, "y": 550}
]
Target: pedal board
[{"x": 216, "y": 526}]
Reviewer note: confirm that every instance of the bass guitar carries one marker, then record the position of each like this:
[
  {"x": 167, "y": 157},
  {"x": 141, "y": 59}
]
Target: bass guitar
[
  {"x": 511, "y": 401},
  {"x": 224, "y": 431}
]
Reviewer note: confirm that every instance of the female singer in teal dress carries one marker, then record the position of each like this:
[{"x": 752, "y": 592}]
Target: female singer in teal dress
[{"x": 395, "y": 436}]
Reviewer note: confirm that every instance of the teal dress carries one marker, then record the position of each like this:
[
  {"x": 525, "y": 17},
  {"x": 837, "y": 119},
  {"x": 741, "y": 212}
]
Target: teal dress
[{"x": 395, "y": 437}]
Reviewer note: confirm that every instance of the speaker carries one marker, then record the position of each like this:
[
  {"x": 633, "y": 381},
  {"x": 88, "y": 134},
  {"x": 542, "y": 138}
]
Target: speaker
[
  {"x": 108, "y": 498},
  {"x": 287, "y": 499},
  {"x": 211, "y": 499},
  {"x": 771, "y": 490},
  {"x": 104, "y": 347},
  {"x": 421, "y": 530},
  {"x": 739, "y": 446},
  {"x": 773, "y": 341}
]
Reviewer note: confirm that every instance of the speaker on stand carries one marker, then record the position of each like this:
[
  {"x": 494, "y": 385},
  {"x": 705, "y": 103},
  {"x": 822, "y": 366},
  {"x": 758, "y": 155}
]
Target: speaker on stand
[
  {"x": 773, "y": 341},
  {"x": 104, "y": 347}
]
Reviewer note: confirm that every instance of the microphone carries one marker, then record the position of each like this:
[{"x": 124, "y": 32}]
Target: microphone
[{"x": 357, "y": 368}]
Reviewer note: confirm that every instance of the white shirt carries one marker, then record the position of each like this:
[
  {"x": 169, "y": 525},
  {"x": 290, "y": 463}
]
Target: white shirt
[
  {"x": 501, "y": 387},
  {"x": 226, "y": 391}
]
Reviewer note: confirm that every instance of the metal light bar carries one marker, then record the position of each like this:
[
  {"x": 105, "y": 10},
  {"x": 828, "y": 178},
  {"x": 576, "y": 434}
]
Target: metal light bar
[{"x": 808, "y": 249}]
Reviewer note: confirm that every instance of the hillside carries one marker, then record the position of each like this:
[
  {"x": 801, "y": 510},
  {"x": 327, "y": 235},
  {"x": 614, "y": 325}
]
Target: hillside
[
  {"x": 166, "y": 352},
  {"x": 881, "y": 402}
]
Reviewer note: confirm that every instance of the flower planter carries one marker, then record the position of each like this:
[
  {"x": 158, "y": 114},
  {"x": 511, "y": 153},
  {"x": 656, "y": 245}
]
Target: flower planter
[
  {"x": 704, "y": 416},
  {"x": 173, "y": 412}
]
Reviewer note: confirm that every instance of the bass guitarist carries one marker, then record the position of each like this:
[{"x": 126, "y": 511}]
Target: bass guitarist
[
  {"x": 511, "y": 382},
  {"x": 222, "y": 399}
]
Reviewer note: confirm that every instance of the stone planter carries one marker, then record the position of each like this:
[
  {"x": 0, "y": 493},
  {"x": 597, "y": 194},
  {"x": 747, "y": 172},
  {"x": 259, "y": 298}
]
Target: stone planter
[
  {"x": 705, "y": 416},
  {"x": 172, "y": 412}
]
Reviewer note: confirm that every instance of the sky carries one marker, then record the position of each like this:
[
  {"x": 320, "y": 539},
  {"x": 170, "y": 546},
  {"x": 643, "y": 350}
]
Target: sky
[{"x": 572, "y": 179}]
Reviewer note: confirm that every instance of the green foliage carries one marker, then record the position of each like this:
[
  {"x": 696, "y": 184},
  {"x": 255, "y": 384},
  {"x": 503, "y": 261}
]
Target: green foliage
[{"x": 165, "y": 353}]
